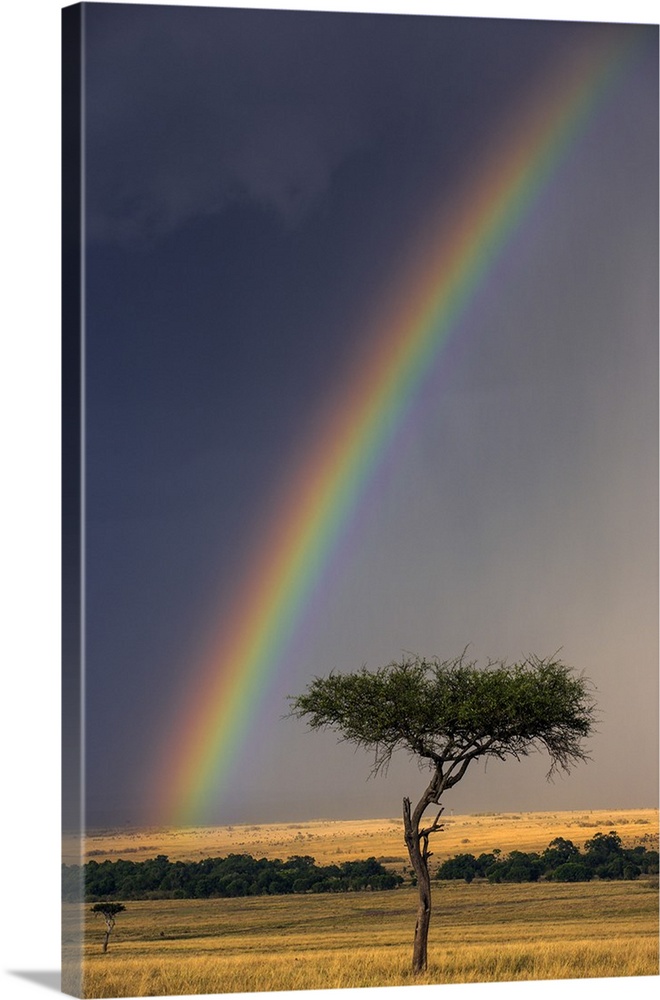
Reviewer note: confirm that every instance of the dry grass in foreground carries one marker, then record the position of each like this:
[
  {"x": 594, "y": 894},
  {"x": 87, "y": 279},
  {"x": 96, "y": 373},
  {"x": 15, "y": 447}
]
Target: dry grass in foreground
[{"x": 480, "y": 933}]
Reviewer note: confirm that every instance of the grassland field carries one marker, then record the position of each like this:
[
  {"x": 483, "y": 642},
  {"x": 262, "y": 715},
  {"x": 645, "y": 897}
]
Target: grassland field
[
  {"x": 479, "y": 932},
  {"x": 334, "y": 841}
]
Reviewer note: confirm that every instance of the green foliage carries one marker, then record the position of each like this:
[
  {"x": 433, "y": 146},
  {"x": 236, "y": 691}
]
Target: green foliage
[
  {"x": 603, "y": 846},
  {"x": 517, "y": 867},
  {"x": 235, "y": 875},
  {"x": 108, "y": 909},
  {"x": 454, "y": 710},
  {"x": 464, "y": 866},
  {"x": 571, "y": 871},
  {"x": 558, "y": 852},
  {"x": 72, "y": 882},
  {"x": 604, "y": 857}
]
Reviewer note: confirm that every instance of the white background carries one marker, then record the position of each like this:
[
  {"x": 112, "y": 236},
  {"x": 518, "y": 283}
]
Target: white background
[{"x": 29, "y": 485}]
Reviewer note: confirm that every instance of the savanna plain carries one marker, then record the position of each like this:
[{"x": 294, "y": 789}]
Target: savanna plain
[{"x": 480, "y": 932}]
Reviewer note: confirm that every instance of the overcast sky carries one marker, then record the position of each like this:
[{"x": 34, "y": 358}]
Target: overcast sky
[{"x": 255, "y": 180}]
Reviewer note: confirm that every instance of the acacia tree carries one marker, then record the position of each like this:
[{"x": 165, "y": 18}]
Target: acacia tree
[
  {"x": 447, "y": 714},
  {"x": 108, "y": 911}
]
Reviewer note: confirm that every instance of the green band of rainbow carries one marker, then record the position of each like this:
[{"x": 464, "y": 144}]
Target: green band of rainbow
[{"x": 307, "y": 524}]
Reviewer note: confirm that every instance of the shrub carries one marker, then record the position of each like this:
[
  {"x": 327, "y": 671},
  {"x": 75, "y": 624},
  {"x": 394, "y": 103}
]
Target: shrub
[
  {"x": 461, "y": 866},
  {"x": 571, "y": 871}
]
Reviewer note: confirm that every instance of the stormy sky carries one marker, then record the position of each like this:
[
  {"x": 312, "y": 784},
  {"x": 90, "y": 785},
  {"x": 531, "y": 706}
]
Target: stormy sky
[{"x": 255, "y": 181}]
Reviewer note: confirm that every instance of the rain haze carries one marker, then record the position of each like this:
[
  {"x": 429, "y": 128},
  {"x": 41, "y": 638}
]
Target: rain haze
[{"x": 257, "y": 184}]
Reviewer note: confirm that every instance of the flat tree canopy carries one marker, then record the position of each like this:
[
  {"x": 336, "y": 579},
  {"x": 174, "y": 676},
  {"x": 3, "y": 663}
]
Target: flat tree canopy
[{"x": 453, "y": 711}]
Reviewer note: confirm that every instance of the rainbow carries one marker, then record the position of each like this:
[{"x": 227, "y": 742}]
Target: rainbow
[{"x": 338, "y": 461}]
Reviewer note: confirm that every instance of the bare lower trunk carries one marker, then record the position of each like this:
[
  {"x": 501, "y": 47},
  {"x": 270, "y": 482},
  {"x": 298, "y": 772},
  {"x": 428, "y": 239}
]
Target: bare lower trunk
[
  {"x": 418, "y": 860},
  {"x": 109, "y": 924},
  {"x": 420, "y": 942}
]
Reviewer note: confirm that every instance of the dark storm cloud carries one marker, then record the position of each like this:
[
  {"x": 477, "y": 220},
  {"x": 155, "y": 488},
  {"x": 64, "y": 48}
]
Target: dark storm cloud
[
  {"x": 189, "y": 111},
  {"x": 256, "y": 181},
  {"x": 211, "y": 120}
]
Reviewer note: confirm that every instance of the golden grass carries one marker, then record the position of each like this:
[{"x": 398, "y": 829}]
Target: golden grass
[
  {"x": 343, "y": 840},
  {"x": 368, "y": 967},
  {"x": 479, "y": 933}
]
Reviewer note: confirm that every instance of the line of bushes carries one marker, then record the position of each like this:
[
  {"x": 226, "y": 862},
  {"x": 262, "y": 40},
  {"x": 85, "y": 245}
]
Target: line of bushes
[
  {"x": 604, "y": 857},
  {"x": 235, "y": 875}
]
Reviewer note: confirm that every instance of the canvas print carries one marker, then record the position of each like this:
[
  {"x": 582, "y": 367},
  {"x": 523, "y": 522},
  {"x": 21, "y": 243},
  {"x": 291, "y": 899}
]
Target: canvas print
[{"x": 360, "y": 500}]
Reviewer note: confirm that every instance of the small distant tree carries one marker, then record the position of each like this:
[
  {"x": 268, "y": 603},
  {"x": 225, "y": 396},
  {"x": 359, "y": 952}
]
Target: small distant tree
[
  {"x": 447, "y": 714},
  {"x": 108, "y": 911}
]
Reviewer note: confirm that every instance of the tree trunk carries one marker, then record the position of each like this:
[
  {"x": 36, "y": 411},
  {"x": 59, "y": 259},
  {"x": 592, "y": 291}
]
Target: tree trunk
[
  {"x": 420, "y": 867},
  {"x": 109, "y": 924},
  {"x": 420, "y": 942}
]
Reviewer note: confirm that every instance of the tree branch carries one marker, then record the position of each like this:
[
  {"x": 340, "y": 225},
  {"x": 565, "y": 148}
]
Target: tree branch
[{"x": 427, "y": 831}]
